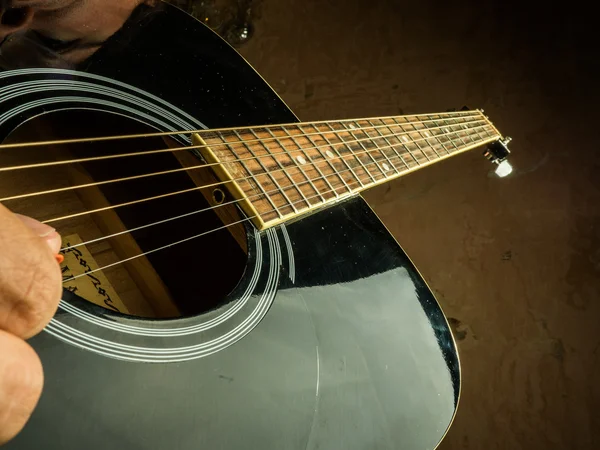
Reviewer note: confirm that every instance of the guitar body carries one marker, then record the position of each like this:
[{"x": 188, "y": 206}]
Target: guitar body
[{"x": 329, "y": 338}]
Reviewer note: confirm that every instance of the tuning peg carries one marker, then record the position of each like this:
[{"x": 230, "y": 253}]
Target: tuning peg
[
  {"x": 497, "y": 152},
  {"x": 504, "y": 168}
]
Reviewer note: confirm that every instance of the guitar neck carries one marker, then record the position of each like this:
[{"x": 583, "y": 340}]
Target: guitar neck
[{"x": 280, "y": 172}]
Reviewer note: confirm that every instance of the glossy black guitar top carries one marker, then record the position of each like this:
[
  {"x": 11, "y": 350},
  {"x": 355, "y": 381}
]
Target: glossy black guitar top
[{"x": 316, "y": 334}]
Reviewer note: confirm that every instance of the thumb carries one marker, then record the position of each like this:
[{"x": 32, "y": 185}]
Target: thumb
[{"x": 46, "y": 232}]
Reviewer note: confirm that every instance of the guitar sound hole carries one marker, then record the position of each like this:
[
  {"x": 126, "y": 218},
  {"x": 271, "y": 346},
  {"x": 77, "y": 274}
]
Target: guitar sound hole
[{"x": 180, "y": 279}]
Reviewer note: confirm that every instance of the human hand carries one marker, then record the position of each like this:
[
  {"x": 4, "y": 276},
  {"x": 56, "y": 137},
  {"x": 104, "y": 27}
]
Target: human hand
[{"x": 30, "y": 289}]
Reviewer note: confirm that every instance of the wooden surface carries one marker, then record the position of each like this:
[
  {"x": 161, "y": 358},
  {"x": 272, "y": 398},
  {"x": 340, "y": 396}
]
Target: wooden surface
[
  {"x": 159, "y": 301},
  {"x": 285, "y": 171},
  {"x": 513, "y": 262},
  {"x": 227, "y": 213}
]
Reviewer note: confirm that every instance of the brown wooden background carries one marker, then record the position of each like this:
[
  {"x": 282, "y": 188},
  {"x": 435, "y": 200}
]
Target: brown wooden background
[{"x": 515, "y": 262}]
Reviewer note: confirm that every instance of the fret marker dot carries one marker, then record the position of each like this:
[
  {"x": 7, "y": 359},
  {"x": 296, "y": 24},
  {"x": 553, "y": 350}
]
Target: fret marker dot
[
  {"x": 386, "y": 167},
  {"x": 330, "y": 154},
  {"x": 427, "y": 134},
  {"x": 404, "y": 138},
  {"x": 301, "y": 160},
  {"x": 352, "y": 127}
]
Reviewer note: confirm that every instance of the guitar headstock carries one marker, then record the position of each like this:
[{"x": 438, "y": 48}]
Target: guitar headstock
[{"x": 497, "y": 152}]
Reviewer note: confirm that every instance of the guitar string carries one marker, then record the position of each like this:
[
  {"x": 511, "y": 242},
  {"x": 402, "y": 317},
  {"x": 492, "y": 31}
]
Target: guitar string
[
  {"x": 257, "y": 158},
  {"x": 232, "y": 202},
  {"x": 340, "y": 185},
  {"x": 196, "y": 188},
  {"x": 225, "y": 142},
  {"x": 447, "y": 116},
  {"x": 214, "y": 230}
]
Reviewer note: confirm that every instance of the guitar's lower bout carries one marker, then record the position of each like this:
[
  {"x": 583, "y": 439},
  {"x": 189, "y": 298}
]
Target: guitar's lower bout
[{"x": 354, "y": 354}]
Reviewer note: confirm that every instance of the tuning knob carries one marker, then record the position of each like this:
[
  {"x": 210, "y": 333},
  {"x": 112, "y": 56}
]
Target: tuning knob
[
  {"x": 497, "y": 152},
  {"x": 504, "y": 168}
]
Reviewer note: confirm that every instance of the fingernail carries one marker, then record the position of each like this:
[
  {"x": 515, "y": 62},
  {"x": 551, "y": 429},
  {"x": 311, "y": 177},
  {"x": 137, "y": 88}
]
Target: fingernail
[
  {"x": 44, "y": 231},
  {"x": 39, "y": 228}
]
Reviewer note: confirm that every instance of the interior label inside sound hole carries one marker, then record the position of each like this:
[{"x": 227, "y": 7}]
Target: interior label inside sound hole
[{"x": 93, "y": 287}]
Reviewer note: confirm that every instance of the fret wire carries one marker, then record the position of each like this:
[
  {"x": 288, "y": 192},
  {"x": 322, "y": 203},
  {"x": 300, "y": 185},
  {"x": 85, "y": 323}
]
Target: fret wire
[
  {"x": 207, "y": 135},
  {"x": 441, "y": 133},
  {"x": 468, "y": 134},
  {"x": 381, "y": 151},
  {"x": 434, "y": 138},
  {"x": 411, "y": 154},
  {"x": 204, "y": 132},
  {"x": 487, "y": 132},
  {"x": 404, "y": 143},
  {"x": 495, "y": 137},
  {"x": 285, "y": 150},
  {"x": 300, "y": 167},
  {"x": 341, "y": 157},
  {"x": 320, "y": 149},
  {"x": 307, "y": 181},
  {"x": 355, "y": 156},
  {"x": 477, "y": 132},
  {"x": 393, "y": 147},
  {"x": 275, "y": 182},
  {"x": 430, "y": 137},
  {"x": 368, "y": 152},
  {"x": 426, "y": 138},
  {"x": 314, "y": 144},
  {"x": 455, "y": 115},
  {"x": 463, "y": 117},
  {"x": 474, "y": 129},
  {"x": 383, "y": 172},
  {"x": 482, "y": 131},
  {"x": 449, "y": 137},
  {"x": 416, "y": 141},
  {"x": 458, "y": 124},
  {"x": 452, "y": 132},
  {"x": 486, "y": 122},
  {"x": 303, "y": 182},
  {"x": 268, "y": 197}
]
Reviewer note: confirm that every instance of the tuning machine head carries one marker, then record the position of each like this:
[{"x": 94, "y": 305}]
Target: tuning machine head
[{"x": 497, "y": 152}]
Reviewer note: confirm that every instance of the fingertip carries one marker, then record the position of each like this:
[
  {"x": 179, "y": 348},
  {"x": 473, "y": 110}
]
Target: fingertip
[
  {"x": 39, "y": 228},
  {"x": 54, "y": 241},
  {"x": 44, "y": 231},
  {"x": 30, "y": 278}
]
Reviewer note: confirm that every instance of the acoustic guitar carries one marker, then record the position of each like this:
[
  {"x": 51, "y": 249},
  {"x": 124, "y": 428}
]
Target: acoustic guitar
[{"x": 225, "y": 285}]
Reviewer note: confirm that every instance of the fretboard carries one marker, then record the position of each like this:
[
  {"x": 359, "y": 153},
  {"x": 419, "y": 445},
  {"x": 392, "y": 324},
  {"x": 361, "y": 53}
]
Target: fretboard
[{"x": 283, "y": 171}]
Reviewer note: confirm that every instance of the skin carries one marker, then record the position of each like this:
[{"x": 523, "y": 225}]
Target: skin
[
  {"x": 30, "y": 278},
  {"x": 85, "y": 23},
  {"x": 30, "y": 289}
]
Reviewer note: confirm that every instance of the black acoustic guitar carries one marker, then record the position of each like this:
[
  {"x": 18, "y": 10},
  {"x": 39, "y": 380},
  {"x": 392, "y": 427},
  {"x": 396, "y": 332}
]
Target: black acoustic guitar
[{"x": 225, "y": 285}]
